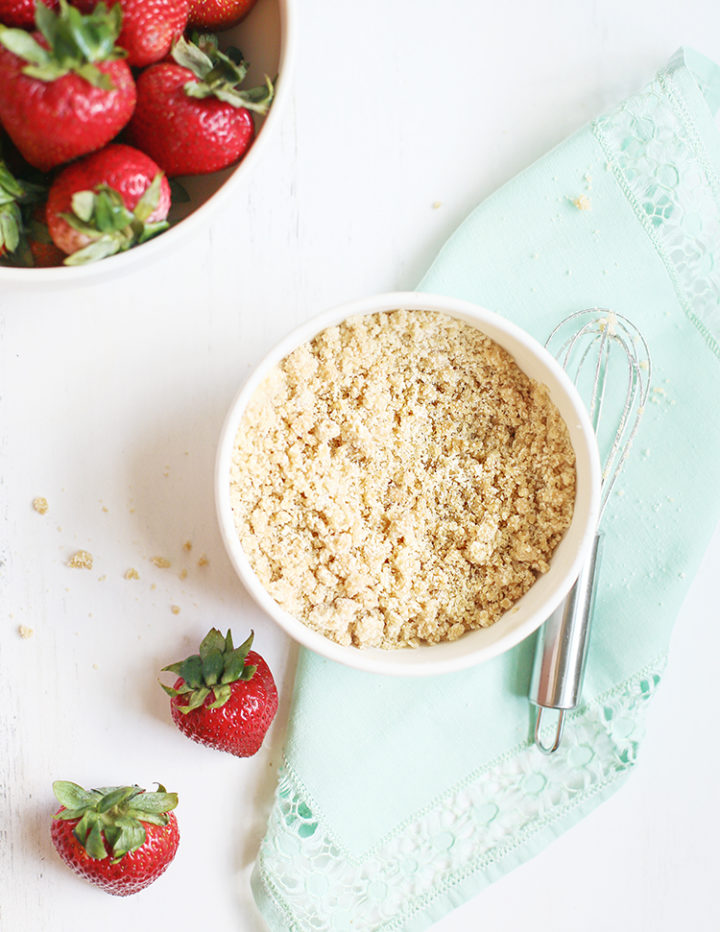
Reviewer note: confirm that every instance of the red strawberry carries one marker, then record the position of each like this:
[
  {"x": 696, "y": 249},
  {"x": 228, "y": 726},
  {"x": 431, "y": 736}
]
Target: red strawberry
[
  {"x": 118, "y": 837},
  {"x": 16, "y": 204},
  {"x": 45, "y": 254},
  {"x": 107, "y": 202},
  {"x": 224, "y": 697},
  {"x": 149, "y": 27},
  {"x": 218, "y": 14},
  {"x": 192, "y": 117},
  {"x": 21, "y": 12},
  {"x": 64, "y": 90}
]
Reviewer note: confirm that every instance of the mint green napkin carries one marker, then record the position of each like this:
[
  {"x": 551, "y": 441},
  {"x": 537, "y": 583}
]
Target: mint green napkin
[{"x": 400, "y": 799}]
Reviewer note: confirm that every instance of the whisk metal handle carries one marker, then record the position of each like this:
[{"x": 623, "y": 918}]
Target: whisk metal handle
[{"x": 561, "y": 651}]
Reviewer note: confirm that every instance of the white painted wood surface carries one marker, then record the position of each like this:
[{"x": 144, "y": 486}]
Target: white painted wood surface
[{"x": 111, "y": 400}]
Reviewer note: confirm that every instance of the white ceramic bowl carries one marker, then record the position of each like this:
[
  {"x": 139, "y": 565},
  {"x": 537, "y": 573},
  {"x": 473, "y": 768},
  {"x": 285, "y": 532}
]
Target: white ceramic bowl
[
  {"x": 545, "y": 595},
  {"x": 266, "y": 38}
]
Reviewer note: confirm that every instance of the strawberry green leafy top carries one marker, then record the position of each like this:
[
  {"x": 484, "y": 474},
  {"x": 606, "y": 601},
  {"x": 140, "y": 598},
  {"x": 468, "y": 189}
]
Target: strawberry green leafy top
[
  {"x": 111, "y": 227},
  {"x": 220, "y": 74},
  {"x": 16, "y": 197},
  {"x": 112, "y": 816},
  {"x": 214, "y": 669},
  {"x": 76, "y": 42}
]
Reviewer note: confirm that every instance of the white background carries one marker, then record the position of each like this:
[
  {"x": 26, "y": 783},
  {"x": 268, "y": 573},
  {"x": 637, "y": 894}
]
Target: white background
[{"x": 111, "y": 400}]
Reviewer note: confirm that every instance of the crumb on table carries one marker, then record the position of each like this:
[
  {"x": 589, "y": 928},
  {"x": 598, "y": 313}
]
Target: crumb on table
[
  {"x": 131, "y": 573},
  {"x": 40, "y": 505},
  {"x": 81, "y": 559},
  {"x": 162, "y": 562},
  {"x": 582, "y": 202},
  {"x": 25, "y": 632}
]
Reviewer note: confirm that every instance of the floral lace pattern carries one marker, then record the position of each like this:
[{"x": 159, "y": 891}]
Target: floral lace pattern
[
  {"x": 318, "y": 886},
  {"x": 655, "y": 152}
]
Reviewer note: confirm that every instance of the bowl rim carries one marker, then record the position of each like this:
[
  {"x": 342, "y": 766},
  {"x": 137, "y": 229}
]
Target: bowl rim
[
  {"x": 377, "y": 660},
  {"x": 117, "y": 263}
]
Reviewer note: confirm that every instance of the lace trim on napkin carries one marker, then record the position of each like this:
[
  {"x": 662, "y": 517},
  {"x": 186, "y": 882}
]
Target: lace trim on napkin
[
  {"x": 317, "y": 885},
  {"x": 656, "y": 154}
]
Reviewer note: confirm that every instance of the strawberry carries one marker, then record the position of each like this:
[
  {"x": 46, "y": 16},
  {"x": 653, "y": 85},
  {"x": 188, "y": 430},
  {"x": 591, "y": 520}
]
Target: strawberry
[
  {"x": 106, "y": 203},
  {"x": 118, "y": 837},
  {"x": 218, "y": 14},
  {"x": 16, "y": 203},
  {"x": 64, "y": 90},
  {"x": 45, "y": 254},
  {"x": 191, "y": 115},
  {"x": 21, "y": 13},
  {"x": 224, "y": 697},
  {"x": 149, "y": 27}
]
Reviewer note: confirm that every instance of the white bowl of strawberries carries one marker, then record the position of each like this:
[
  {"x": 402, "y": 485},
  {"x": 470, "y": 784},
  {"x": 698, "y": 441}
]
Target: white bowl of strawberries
[{"x": 123, "y": 123}]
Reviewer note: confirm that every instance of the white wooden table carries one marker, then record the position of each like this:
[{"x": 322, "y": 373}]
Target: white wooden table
[{"x": 111, "y": 400}]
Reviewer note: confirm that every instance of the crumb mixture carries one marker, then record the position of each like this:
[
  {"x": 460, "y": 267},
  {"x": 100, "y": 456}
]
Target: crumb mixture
[{"x": 399, "y": 480}]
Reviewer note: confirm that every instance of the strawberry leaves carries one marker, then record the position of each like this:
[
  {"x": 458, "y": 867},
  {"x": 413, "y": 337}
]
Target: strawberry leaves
[
  {"x": 213, "y": 670},
  {"x": 220, "y": 74},
  {"x": 74, "y": 42},
  {"x": 17, "y": 198},
  {"x": 110, "y": 818},
  {"x": 102, "y": 216}
]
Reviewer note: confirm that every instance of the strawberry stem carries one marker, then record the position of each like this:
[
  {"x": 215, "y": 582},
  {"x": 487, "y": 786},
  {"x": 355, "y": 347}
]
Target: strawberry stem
[
  {"x": 220, "y": 74},
  {"x": 214, "y": 669},
  {"x": 112, "y": 817},
  {"x": 102, "y": 216},
  {"x": 75, "y": 43}
]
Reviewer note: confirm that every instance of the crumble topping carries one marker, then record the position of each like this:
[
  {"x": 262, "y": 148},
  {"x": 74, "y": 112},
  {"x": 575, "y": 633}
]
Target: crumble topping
[{"x": 399, "y": 480}]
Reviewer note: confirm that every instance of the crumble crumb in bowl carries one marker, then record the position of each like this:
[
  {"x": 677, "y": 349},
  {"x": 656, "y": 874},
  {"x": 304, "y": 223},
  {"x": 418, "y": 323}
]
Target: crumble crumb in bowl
[{"x": 408, "y": 484}]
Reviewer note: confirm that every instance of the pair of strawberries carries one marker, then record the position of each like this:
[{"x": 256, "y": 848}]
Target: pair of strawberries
[
  {"x": 122, "y": 838},
  {"x": 68, "y": 89}
]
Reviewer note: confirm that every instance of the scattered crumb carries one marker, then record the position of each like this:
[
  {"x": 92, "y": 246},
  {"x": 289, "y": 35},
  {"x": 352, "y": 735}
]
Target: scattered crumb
[
  {"x": 40, "y": 505},
  {"x": 436, "y": 204},
  {"x": 25, "y": 632},
  {"x": 187, "y": 546},
  {"x": 582, "y": 202},
  {"x": 105, "y": 508},
  {"x": 102, "y": 578},
  {"x": 183, "y": 573},
  {"x": 95, "y": 666},
  {"x": 132, "y": 573},
  {"x": 81, "y": 560},
  {"x": 162, "y": 562},
  {"x": 175, "y": 609},
  {"x": 203, "y": 561}
]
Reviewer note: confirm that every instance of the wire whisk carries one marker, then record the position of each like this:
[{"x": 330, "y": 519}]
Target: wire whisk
[{"x": 608, "y": 359}]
